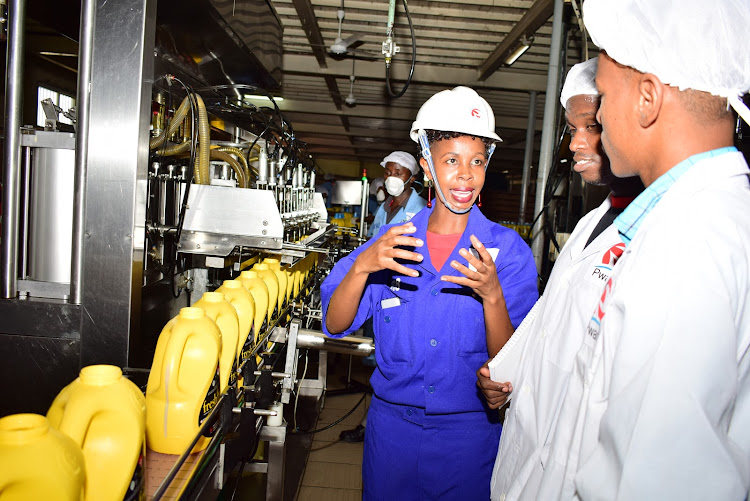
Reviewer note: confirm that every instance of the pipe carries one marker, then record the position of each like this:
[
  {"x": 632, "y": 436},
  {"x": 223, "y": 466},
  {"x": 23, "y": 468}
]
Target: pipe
[
  {"x": 174, "y": 124},
  {"x": 241, "y": 157},
  {"x": 175, "y": 149},
  {"x": 83, "y": 104},
  {"x": 349, "y": 345},
  {"x": 25, "y": 216},
  {"x": 548, "y": 130},
  {"x": 363, "y": 209},
  {"x": 13, "y": 112},
  {"x": 262, "y": 167},
  {"x": 204, "y": 143},
  {"x": 234, "y": 164},
  {"x": 528, "y": 151}
]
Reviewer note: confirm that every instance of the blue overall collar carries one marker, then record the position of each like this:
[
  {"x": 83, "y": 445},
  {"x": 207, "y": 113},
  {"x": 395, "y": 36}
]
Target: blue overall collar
[{"x": 477, "y": 225}]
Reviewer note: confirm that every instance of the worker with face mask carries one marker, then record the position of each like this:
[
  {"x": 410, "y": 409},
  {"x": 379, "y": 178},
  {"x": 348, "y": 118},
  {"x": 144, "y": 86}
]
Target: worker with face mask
[{"x": 401, "y": 202}]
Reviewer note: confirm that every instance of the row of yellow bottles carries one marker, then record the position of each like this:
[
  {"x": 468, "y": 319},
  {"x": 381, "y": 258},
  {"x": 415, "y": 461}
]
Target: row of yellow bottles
[{"x": 91, "y": 445}]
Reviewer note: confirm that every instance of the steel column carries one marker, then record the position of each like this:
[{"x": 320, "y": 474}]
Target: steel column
[
  {"x": 13, "y": 115},
  {"x": 548, "y": 129},
  {"x": 116, "y": 177},
  {"x": 85, "y": 54},
  {"x": 528, "y": 152}
]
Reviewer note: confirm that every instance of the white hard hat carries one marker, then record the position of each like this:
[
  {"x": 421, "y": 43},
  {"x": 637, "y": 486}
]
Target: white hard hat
[
  {"x": 402, "y": 158},
  {"x": 460, "y": 109},
  {"x": 580, "y": 81},
  {"x": 688, "y": 44}
]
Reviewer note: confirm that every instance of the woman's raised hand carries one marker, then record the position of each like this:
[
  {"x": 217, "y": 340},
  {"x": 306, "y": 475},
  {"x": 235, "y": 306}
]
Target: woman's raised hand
[
  {"x": 382, "y": 254},
  {"x": 484, "y": 279}
]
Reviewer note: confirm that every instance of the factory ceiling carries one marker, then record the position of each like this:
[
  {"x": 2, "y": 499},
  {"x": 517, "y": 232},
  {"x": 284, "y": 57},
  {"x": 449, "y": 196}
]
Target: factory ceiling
[
  {"x": 338, "y": 104},
  {"x": 458, "y": 42}
]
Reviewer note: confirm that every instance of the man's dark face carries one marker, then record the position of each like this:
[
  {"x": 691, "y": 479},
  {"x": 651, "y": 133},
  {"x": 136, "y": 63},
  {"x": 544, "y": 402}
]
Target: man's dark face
[{"x": 585, "y": 140}]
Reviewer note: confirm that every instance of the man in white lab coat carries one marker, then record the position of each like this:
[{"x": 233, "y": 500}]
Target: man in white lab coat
[
  {"x": 658, "y": 405},
  {"x": 574, "y": 287}
]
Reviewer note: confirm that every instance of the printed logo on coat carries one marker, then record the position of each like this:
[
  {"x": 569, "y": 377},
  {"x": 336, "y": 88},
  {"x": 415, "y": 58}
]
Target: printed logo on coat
[
  {"x": 613, "y": 254},
  {"x": 596, "y": 320},
  {"x": 603, "y": 271}
]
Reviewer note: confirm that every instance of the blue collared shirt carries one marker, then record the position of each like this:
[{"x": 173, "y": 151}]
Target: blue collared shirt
[
  {"x": 414, "y": 204},
  {"x": 430, "y": 335},
  {"x": 633, "y": 216}
]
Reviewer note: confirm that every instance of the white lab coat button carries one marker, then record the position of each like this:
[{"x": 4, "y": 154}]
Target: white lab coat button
[
  {"x": 526, "y": 389},
  {"x": 502, "y": 497},
  {"x": 544, "y": 333}
]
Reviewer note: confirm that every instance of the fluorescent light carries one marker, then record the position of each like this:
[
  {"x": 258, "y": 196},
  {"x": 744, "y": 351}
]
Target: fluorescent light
[
  {"x": 523, "y": 45},
  {"x": 248, "y": 97}
]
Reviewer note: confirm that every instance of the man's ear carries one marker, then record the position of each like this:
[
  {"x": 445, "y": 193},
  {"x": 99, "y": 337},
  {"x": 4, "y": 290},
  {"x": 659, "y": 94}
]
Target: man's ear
[
  {"x": 425, "y": 168},
  {"x": 650, "y": 99}
]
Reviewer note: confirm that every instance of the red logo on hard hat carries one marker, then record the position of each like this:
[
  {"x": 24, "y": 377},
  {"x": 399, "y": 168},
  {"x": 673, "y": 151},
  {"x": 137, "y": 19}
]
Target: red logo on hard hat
[{"x": 475, "y": 113}]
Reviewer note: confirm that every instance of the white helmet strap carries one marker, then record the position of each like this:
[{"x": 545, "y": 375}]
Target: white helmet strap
[{"x": 427, "y": 155}]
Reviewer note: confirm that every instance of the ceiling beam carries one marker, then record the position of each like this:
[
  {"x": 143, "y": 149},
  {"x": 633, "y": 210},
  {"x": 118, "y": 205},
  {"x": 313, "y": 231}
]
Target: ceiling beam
[
  {"x": 309, "y": 22},
  {"x": 535, "y": 17},
  {"x": 509, "y": 80},
  {"x": 379, "y": 112},
  {"x": 333, "y": 88}
]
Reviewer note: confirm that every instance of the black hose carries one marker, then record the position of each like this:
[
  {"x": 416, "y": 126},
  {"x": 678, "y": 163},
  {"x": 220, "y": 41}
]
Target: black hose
[
  {"x": 413, "y": 60},
  {"x": 339, "y": 420}
]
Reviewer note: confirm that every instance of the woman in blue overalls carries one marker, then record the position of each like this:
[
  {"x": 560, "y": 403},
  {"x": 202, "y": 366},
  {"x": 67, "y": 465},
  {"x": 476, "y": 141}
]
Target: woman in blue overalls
[{"x": 440, "y": 307}]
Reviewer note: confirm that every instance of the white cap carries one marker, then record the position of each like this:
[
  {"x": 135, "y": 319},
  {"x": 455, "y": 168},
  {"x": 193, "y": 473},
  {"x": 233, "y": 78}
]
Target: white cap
[
  {"x": 375, "y": 184},
  {"x": 688, "y": 44},
  {"x": 402, "y": 158},
  {"x": 580, "y": 81},
  {"x": 460, "y": 109}
]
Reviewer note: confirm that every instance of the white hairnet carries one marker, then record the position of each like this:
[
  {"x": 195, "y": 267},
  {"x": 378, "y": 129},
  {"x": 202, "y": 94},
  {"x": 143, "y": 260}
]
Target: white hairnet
[
  {"x": 580, "y": 81},
  {"x": 375, "y": 184},
  {"x": 688, "y": 44},
  {"x": 402, "y": 158}
]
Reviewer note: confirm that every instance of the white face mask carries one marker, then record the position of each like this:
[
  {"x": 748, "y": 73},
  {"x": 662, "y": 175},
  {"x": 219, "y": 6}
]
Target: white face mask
[
  {"x": 394, "y": 185},
  {"x": 380, "y": 196}
]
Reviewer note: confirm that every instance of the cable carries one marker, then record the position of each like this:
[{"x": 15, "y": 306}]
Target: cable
[
  {"x": 413, "y": 60},
  {"x": 239, "y": 476},
  {"x": 312, "y": 432},
  {"x": 299, "y": 386}
]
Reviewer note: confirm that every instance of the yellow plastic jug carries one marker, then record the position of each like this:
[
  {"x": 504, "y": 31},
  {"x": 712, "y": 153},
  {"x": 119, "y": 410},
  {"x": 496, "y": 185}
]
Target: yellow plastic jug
[
  {"x": 274, "y": 292},
  {"x": 257, "y": 287},
  {"x": 281, "y": 276},
  {"x": 296, "y": 278},
  {"x": 183, "y": 386},
  {"x": 223, "y": 313},
  {"x": 244, "y": 304},
  {"x": 105, "y": 414},
  {"x": 38, "y": 462}
]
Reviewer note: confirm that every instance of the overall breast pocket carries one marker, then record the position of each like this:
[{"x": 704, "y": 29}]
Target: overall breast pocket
[
  {"x": 393, "y": 325},
  {"x": 468, "y": 323}
]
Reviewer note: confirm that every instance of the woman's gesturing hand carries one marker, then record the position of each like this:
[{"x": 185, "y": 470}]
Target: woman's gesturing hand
[
  {"x": 382, "y": 254},
  {"x": 484, "y": 280}
]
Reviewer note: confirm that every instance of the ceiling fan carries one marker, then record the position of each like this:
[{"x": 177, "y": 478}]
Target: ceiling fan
[{"x": 346, "y": 46}]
